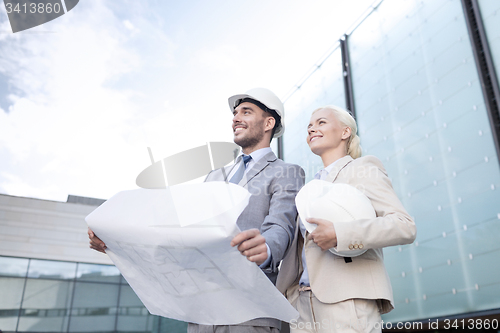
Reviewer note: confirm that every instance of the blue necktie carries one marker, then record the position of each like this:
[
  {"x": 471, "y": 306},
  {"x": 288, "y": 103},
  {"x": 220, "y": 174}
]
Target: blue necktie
[{"x": 241, "y": 170}]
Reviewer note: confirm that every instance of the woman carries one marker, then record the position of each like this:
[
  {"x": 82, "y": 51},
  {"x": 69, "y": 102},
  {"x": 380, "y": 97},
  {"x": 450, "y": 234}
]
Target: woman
[{"x": 332, "y": 293}]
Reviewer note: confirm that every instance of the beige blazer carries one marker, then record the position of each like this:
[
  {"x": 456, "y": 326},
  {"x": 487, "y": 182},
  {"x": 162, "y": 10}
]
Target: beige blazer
[{"x": 334, "y": 280}]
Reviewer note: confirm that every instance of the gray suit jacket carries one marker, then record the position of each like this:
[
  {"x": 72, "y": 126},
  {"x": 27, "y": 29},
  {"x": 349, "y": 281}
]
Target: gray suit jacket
[
  {"x": 332, "y": 279},
  {"x": 273, "y": 185}
]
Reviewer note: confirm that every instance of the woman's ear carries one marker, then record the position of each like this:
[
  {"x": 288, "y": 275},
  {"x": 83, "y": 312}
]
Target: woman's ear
[{"x": 346, "y": 133}]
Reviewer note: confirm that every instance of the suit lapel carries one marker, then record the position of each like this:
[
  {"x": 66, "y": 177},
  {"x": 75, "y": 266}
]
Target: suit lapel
[
  {"x": 257, "y": 168},
  {"x": 337, "y": 167}
]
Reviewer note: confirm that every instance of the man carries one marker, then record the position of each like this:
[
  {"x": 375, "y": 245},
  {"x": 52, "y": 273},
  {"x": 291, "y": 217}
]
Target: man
[{"x": 268, "y": 222}]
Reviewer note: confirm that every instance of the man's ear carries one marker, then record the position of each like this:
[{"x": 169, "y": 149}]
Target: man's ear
[{"x": 270, "y": 121}]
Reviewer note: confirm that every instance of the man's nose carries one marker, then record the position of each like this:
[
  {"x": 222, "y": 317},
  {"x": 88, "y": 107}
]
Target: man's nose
[{"x": 236, "y": 118}]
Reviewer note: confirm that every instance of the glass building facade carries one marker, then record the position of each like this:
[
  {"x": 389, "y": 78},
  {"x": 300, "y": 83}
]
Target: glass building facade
[
  {"x": 420, "y": 109},
  {"x": 323, "y": 86},
  {"x": 57, "y": 296}
]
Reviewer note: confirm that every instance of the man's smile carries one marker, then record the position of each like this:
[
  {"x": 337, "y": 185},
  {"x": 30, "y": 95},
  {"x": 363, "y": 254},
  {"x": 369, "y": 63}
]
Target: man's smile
[{"x": 239, "y": 128}]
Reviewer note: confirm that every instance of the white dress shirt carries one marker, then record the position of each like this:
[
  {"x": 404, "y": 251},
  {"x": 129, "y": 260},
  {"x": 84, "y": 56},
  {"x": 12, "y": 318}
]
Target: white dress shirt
[{"x": 256, "y": 156}]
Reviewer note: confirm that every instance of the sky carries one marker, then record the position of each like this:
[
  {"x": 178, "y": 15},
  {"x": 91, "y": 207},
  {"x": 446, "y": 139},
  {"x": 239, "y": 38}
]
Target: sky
[{"x": 83, "y": 96}]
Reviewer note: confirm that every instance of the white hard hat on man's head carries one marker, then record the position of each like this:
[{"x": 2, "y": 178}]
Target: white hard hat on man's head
[{"x": 266, "y": 97}]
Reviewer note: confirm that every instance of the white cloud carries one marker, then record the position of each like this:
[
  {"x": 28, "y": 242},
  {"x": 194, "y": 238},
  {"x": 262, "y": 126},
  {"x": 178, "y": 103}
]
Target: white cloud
[
  {"x": 16, "y": 185},
  {"x": 219, "y": 58},
  {"x": 111, "y": 80},
  {"x": 128, "y": 25},
  {"x": 64, "y": 112}
]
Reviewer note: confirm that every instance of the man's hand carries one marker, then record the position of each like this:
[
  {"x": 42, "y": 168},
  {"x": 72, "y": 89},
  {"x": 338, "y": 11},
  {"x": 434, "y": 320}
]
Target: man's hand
[
  {"x": 252, "y": 245},
  {"x": 324, "y": 235},
  {"x": 96, "y": 243}
]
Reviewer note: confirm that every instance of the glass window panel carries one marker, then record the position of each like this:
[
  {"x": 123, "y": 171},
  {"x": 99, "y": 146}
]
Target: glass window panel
[
  {"x": 420, "y": 109},
  {"x": 324, "y": 87},
  {"x": 128, "y": 298},
  {"x": 97, "y": 273},
  {"x": 132, "y": 317},
  {"x": 94, "y": 307},
  {"x": 13, "y": 266},
  {"x": 47, "y": 294},
  {"x": 154, "y": 324},
  {"x": 45, "y": 306},
  {"x": 11, "y": 291},
  {"x": 47, "y": 269},
  {"x": 168, "y": 325}
]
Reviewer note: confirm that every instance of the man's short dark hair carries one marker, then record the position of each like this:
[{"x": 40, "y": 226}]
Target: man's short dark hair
[{"x": 274, "y": 114}]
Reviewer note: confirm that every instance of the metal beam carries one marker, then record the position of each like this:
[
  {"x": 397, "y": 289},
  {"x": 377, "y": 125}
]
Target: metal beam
[
  {"x": 280, "y": 147},
  {"x": 346, "y": 70},
  {"x": 485, "y": 67}
]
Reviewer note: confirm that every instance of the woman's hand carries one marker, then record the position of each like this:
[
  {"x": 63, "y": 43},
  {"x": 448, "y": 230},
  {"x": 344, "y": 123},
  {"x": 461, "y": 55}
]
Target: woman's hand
[{"x": 324, "y": 235}]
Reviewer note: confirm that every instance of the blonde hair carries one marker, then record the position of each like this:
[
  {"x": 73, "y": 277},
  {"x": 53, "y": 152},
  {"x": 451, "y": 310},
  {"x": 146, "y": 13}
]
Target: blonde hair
[{"x": 345, "y": 118}]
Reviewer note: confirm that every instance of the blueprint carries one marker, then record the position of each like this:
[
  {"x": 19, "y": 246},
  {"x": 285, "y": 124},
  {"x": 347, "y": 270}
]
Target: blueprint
[{"x": 173, "y": 247}]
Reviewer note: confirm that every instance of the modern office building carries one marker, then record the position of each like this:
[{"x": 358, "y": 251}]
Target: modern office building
[
  {"x": 420, "y": 78},
  {"x": 50, "y": 281}
]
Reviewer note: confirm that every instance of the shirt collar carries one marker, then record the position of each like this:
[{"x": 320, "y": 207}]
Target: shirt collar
[
  {"x": 326, "y": 170},
  {"x": 259, "y": 153},
  {"x": 330, "y": 167}
]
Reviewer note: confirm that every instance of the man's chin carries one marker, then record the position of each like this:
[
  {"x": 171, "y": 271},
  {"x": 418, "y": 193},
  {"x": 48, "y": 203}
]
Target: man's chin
[
  {"x": 243, "y": 142},
  {"x": 238, "y": 140}
]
